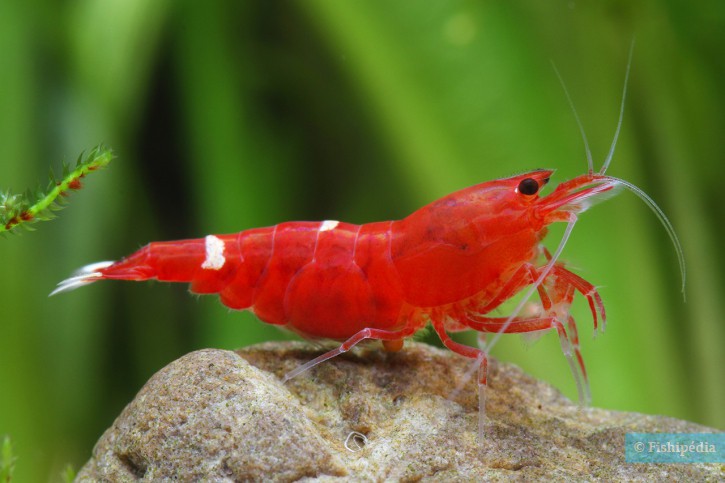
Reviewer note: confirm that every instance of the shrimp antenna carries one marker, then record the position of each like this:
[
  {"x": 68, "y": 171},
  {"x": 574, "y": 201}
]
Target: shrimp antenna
[
  {"x": 590, "y": 161},
  {"x": 621, "y": 112},
  {"x": 663, "y": 219}
]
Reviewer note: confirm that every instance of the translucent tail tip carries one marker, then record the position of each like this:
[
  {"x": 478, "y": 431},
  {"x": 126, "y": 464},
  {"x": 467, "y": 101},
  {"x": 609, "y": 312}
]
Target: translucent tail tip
[{"x": 83, "y": 276}]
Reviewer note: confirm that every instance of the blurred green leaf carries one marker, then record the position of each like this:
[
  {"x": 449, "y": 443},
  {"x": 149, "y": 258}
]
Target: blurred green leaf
[
  {"x": 7, "y": 461},
  {"x": 69, "y": 474}
]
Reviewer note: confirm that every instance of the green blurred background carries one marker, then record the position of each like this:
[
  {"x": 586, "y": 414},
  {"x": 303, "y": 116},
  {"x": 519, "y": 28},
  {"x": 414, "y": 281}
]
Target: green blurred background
[{"x": 228, "y": 115}]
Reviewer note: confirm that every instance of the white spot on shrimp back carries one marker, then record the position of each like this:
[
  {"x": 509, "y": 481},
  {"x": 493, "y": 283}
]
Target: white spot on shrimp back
[
  {"x": 329, "y": 225},
  {"x": 214, "y": 253}
]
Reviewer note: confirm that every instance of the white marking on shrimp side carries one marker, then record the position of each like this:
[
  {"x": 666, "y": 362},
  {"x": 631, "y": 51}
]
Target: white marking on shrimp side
[
  {"x": 328, "y": 225},
  {"x": 214, "y": 253}
]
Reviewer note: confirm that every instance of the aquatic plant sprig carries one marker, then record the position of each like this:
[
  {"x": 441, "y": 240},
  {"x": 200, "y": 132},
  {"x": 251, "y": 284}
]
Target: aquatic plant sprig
[{"x": 24, "y": 209}]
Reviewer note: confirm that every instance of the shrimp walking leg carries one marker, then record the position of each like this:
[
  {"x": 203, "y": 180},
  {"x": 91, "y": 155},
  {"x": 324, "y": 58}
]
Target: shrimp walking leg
[
  {"x": 384, "y": 335},
  {"x": 556, "y": 294},
  {"x": 525, "y": 275},
  {"x": 569, "y": 341},
  {"x": 482, "y": 361},
  {"x": 586, "y": 289},
  {"x": 558, "y": 276}
]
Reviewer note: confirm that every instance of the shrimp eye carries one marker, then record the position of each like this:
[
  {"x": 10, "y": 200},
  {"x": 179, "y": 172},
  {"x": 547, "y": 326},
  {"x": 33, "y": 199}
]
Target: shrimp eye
[{"x": 528, "y": 186}]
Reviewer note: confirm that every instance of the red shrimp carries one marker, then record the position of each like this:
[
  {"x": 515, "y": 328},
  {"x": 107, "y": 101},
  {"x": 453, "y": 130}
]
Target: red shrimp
[{"x": 450, "y": 264}]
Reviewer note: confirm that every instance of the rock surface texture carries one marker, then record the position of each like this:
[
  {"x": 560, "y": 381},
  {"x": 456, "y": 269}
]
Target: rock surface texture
[{"x": 217, "y": 415}]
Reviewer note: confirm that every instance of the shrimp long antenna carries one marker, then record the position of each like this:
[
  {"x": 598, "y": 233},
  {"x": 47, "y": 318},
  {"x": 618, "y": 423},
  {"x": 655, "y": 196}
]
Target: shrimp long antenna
[
  {"x": 610, "y": 155},
  {"x": 663, "y": 219},
  {"x": 590, "y": 161}
]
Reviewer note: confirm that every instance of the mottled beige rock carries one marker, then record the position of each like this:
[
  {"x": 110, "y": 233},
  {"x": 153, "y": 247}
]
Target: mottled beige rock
[{"x": 216, "y": 415}]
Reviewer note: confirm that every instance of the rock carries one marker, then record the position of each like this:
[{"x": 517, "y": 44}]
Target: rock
[{"x": 225, "y": 416}]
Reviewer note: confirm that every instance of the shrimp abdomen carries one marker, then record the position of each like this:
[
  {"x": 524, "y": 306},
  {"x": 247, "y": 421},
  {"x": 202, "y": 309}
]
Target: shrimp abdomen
[
  {"x": 329, "y": 279},
  {"x": 330, "y": 295}
]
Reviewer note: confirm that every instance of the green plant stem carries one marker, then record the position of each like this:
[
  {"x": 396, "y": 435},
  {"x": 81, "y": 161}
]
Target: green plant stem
[{"x": 17, "y": 210}]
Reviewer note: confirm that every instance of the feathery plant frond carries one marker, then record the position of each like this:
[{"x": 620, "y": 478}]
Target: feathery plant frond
[{"x": 24, "y": 209}]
